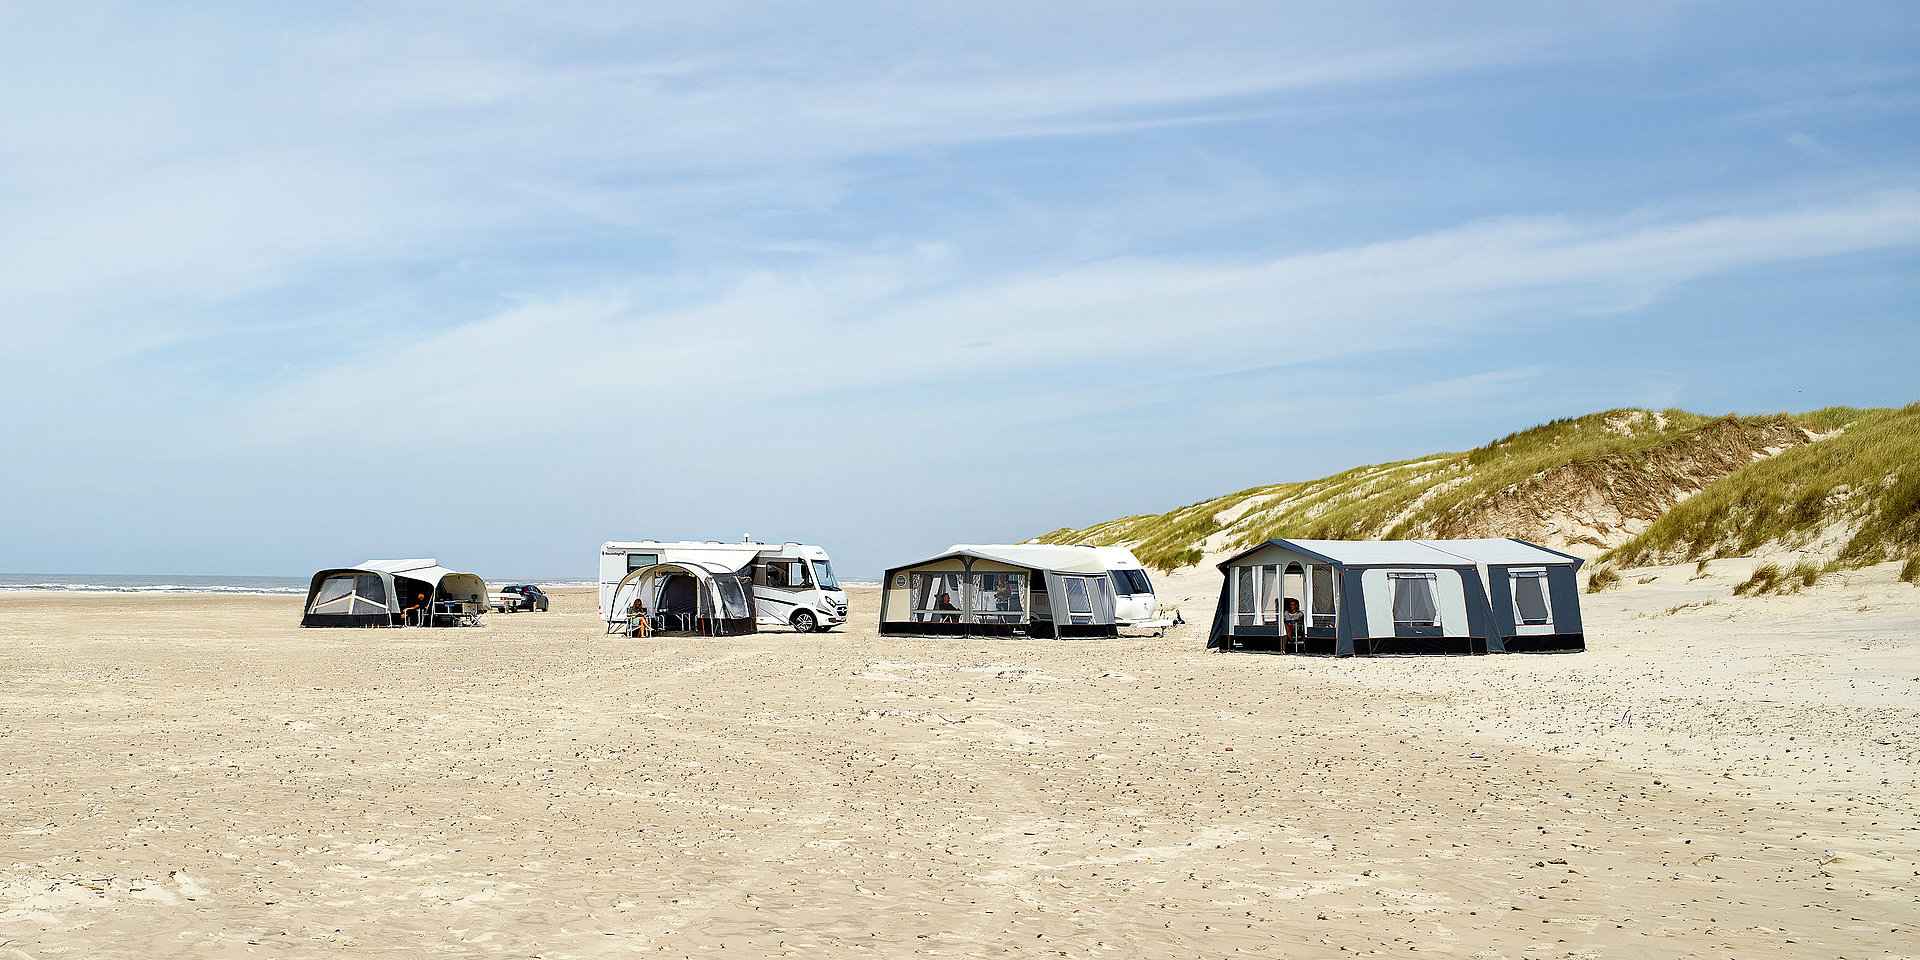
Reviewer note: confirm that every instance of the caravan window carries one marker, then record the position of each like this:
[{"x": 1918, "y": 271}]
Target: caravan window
[
  {"x": 936, "y": 597},
  {"x": 1323, "y": 599},
  {"x": 637, "y": 560},
  {"x": 1530, "y": 597},
  {"x": 1128, "y": 583},
  {"x": 1414, "y": 599},
  {"x": 350, "y": 594},
  {"x": 1000, "y": 597}
]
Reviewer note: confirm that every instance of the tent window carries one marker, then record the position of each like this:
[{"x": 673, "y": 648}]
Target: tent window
[
  {"x": 936, "y": 597},
  {"x": 1413, "y": 599},
  {"x": 999, "y": 597},
  {"x": 1270, "y": 593},
  {"x": 1079, "y": 607},
  {"x": 349, "y": 595},
  {"x": 733, "y": 600},
  {"x": 1246, "y": 595},
  {"x": 1322, "y": 593},
  {"x": 1530, "y": 597}
]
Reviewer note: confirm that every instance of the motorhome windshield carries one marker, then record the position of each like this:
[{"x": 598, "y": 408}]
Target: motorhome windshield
[{"x": 823, "y": 575}]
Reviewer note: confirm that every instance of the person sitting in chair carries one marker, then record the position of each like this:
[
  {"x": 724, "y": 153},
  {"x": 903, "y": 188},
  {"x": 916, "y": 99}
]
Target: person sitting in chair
[
  {"x": 1295, "y": 622},
  {"x": 945, "y": 602},
  {"x": 413, "y": 613}
]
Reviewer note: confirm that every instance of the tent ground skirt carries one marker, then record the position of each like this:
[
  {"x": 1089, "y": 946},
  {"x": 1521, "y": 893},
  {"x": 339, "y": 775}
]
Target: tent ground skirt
[
  {"x": 1547, "y": 643},
  {"x": 348, "y": 620},
  {"x": 1034, "y": 629}
]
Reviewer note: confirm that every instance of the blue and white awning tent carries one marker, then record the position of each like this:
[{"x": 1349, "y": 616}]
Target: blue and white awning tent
[{"x": 1372, "y": 597}]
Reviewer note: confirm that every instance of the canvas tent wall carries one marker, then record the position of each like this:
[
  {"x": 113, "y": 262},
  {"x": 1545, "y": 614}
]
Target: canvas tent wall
[
  {"x": 1401, "y": 597},
  {"x": 698, "y": 599},
  {"x": 377, "y": 593},
  {"x": 1037, "y": 590}
]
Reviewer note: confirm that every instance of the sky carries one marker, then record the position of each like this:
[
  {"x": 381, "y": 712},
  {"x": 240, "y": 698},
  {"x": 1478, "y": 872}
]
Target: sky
[{"x": 290, "y": 286}]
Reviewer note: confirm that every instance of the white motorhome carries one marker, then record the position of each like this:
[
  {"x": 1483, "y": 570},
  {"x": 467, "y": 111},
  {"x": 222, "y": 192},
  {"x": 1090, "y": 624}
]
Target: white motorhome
[
  {"x": 1134, "y": 604},
  {"x": 793, "y": 583}
]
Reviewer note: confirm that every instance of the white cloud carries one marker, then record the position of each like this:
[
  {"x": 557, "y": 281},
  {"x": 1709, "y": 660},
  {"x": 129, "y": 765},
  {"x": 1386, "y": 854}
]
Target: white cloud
[{"x": 857, "y": 326}]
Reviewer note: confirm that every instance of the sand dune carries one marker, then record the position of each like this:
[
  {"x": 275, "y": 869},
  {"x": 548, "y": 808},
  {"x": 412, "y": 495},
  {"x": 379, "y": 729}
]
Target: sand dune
[{"x": 197, "y": 777}]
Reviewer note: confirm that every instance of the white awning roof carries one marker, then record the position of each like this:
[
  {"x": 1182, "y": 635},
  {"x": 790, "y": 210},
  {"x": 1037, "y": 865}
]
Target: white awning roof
[
  {"x": 427, "y": 569},
  {"x": 1039, "y": 556}
]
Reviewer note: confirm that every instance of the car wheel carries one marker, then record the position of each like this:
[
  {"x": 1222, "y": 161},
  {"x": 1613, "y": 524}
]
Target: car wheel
[{"x": 804, "y": 622}]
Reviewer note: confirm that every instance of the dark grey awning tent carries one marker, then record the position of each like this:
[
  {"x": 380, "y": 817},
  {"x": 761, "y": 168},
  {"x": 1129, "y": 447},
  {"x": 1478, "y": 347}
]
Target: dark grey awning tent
[
  {"x": 693, "y": 598},
  {"x": 999, "y": 590},
  {"x": 1401, "y": 597},
  {"x": 380, "y": 593}
]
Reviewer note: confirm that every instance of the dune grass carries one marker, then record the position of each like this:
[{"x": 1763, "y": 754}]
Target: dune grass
[
  {"x": 1602, "y": 578},
  {"x": 1640, "y": 460},
  {"x": 1867, "y": 477}
]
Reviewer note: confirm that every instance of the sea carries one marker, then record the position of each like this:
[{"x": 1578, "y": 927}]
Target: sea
[
  {"x": 180, "y": 583},
  {"x": 150, "y": 583}
]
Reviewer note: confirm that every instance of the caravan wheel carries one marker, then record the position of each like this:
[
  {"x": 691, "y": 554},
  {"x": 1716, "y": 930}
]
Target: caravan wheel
[{"x": 803, "y": 622}]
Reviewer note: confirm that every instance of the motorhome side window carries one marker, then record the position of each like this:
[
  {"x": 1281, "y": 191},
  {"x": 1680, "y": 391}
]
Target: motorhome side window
[
  {"x": 788, "y": 574},
  {"x": 637, "y": 560}
]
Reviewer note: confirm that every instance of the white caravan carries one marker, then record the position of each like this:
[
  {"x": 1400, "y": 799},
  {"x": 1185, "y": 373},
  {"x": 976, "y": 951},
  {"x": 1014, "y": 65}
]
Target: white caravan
[
  {"x": 1134, "y": 604},
  {"x": 793, "y": 583}
]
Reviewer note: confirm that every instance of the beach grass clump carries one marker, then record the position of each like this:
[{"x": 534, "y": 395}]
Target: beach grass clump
[
  {"x": 1766, "y": 578},
  {"x": 1602, "y": 578},
  {"x": 1771, "y": 578},
  {"x": 1910, "y": 571}
]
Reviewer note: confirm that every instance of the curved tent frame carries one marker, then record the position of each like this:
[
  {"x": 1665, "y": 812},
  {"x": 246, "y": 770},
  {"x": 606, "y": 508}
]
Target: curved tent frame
[{"x": 686, "y": 599}]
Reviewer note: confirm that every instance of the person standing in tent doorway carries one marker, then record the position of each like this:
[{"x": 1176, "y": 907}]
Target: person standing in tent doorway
[
  {"x": 1295, "y": 622},
  {"x": 413, "y": 613}
]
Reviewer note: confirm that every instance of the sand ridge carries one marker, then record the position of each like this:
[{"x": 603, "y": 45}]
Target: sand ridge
[{"x": 197, "y": 777}]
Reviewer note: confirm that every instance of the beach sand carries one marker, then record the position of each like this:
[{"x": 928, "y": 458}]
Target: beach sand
[{"x": 194, "y": 776}]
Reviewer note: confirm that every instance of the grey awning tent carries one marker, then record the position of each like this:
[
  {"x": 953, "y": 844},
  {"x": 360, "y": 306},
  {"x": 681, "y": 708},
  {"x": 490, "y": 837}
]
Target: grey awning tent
[
  {"x": 1400, "y": 597},
  {"x": 1038, "y": 590},
  {"x": 380, "y": 593},
  {"x": 692, "y": 598}
]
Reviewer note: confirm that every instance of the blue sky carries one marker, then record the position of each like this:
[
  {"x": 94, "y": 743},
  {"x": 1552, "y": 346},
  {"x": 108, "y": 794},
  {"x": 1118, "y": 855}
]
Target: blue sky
[{"x": 496, "y": 282}]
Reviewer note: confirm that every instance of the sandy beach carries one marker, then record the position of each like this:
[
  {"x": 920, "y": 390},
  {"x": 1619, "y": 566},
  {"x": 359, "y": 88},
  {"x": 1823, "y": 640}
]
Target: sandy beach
[{"x": 195, "y": 776}]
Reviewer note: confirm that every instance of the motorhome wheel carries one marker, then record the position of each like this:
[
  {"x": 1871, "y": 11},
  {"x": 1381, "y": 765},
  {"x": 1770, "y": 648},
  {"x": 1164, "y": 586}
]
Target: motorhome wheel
[{"x": 803, "y": 622}]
